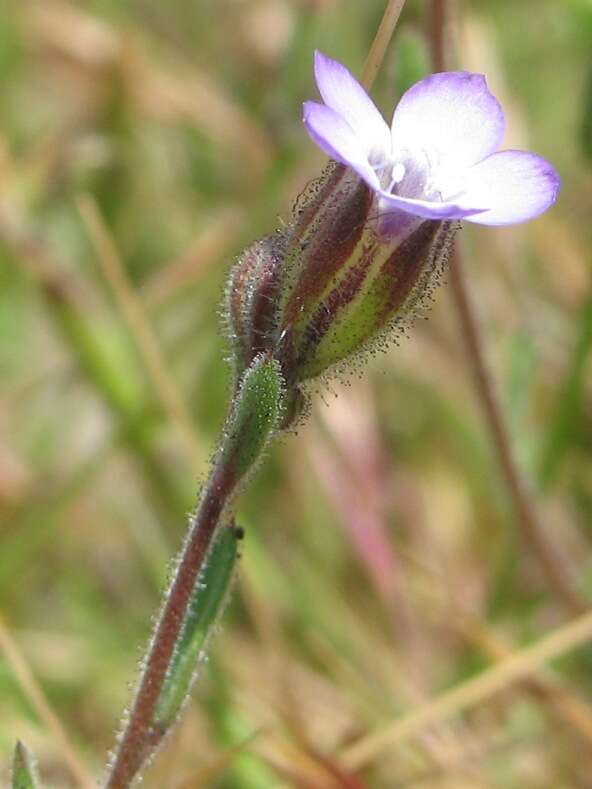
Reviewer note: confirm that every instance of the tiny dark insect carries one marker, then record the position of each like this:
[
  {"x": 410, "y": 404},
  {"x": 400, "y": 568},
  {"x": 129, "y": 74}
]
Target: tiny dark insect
[{"x": 239, "y": 532}]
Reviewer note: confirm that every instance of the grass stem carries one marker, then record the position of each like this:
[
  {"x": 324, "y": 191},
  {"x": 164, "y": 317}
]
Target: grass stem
[
  {"x": 519, "y": 666},
  {"x": 557, "y": 570},
  {"x": 381, "y": 41},
  {"x": 35, "y": 695}
]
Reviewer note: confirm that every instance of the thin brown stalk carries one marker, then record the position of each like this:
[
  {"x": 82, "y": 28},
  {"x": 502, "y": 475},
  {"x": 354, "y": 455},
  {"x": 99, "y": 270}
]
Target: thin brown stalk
[
  {"x": 35, "y": 695},
  {"x": 557, "y": 571},
  {"x": 134, "y": 314},
  {"x": 552, "y": 562},
  {"x": 519, "y": 666},
  {"x": 381, "y": 41}
]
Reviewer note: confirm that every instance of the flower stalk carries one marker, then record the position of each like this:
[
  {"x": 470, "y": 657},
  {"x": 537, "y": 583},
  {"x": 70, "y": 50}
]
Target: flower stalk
[{"x": 202, "y": 575}]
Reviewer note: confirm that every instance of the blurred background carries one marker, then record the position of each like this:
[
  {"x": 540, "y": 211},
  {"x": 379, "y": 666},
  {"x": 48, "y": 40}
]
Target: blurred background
[{"x": 142, "y": 145}]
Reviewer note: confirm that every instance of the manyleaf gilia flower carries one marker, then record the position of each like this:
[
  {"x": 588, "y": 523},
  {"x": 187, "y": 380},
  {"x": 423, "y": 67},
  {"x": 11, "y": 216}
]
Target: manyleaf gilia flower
[
  {"x": 439, "y": 159},
  {"x": 369, "y": 239}
]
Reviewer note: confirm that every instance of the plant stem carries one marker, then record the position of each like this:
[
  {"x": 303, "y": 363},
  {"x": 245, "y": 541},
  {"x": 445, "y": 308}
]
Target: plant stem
[
  {"x": 254, "y": 415},
  {"x": 552, "y": 562},
  {"x": 381, "y": 41},
  {"x": 140, "y": 737}
]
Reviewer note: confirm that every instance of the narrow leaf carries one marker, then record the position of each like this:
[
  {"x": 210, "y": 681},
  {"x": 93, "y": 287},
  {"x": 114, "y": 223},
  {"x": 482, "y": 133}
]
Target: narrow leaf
[
  {"x": 209, "y": 597},
  {"x": 24, "y": 772}
]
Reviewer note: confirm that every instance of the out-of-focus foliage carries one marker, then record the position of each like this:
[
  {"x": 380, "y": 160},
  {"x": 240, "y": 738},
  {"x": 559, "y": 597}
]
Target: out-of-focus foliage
[
  {"x": 23, "y": 769},
  {"x": 382, "y": 562}
]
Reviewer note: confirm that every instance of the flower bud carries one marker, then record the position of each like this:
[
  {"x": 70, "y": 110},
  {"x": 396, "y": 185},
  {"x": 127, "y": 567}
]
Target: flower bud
[
  {"x": 251, "y": 299},
  {"x": 336, "y": 280}
]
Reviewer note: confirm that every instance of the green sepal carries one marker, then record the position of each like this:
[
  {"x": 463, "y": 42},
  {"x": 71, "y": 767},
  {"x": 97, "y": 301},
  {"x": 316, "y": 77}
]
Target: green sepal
[
  {"x": 379, "y": 292},
  {"x": 24, "y": 771},
  {"x": 257, "y": 410},
  {"x": 207, "y": 602}
]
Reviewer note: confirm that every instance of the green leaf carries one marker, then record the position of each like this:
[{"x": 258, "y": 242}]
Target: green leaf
[
  {"x": 257, "y": 410},
  {"x": 207, "y": 602},
  {"x": 24, "y": 772},
  {"x": 396, "y": 284}
]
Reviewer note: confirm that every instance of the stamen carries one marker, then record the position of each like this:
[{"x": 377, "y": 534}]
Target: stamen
[{"x": 398, "y": 173}]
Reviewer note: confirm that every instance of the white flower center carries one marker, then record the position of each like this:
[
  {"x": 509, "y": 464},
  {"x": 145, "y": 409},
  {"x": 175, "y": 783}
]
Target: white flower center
[
  {"x": 419, "y": 174},
  {"x": 397, "y": 173}
]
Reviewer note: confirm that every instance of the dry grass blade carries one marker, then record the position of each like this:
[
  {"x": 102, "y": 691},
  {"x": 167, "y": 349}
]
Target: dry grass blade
[
  {"x": 303, "y": 768},
  {"x": 40, "y": 704},
  {"x": 545, "y": 684},
  {"x": 135, "y": 317},
  {"x": 35, "y": 257},
  {"x": 381, "y": 41},
  {"x": 519, "y": 665}
]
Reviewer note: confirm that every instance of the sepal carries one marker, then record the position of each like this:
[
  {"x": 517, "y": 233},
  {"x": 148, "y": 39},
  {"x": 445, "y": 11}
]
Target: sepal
[{"x": 335, "y": 280}]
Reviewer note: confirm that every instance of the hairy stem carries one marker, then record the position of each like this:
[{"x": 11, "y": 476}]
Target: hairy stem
[
  {"x": 557, "y": 570},
  {"x": 254, "y": 415},
  {"x": 140, "y": 737}
]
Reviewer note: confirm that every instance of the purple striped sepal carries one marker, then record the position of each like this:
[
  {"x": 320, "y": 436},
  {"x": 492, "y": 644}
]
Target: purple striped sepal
[{"x": 335, "y": 281}]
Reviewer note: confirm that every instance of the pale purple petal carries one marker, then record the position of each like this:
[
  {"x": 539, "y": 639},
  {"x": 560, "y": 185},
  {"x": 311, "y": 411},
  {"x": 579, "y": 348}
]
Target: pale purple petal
[
  {"x": 452, "y": 114},
  {"x": 334, "y": 136},
  {"x": 514, "y": 186},
  {"x": 426, "y": 208},
  {"x": 344, "y": 94}
]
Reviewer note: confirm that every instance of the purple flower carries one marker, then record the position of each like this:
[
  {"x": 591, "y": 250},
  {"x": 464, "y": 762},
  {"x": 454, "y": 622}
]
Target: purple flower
[{"x": 439, "y": 160}]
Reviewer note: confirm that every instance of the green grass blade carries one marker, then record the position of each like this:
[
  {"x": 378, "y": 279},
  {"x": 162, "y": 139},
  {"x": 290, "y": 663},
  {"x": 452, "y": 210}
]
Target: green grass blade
[{"x": 24, "y": 772}]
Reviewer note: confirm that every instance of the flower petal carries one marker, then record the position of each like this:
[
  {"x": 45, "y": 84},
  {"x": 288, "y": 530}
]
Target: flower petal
[
  {"x": 452, "y": 113},
  {"x": 344, "y": 94},
  {"x": 334, "y": 136},
  {"x": 514, "y": 185},
  {"x": 425, "y": 208}
]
